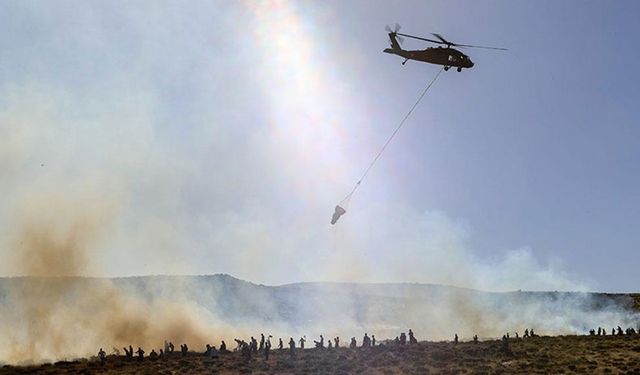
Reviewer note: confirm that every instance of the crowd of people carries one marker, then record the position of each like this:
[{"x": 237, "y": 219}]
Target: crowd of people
[
  {"x": 253, "y": 347},
  {"x": 614, "y": 331}
]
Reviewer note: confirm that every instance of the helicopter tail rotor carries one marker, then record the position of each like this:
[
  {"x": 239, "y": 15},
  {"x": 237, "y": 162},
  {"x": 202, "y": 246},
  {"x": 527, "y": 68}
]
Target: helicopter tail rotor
[
  {"x": 396, "y": 28},
  {"x": 393, "y": 34}
]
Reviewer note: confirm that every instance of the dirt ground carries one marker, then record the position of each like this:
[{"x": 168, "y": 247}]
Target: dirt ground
[{"x": 541, "y": 355}]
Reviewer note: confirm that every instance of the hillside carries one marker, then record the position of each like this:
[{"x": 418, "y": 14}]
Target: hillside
[{"x": 540, "y": 355}]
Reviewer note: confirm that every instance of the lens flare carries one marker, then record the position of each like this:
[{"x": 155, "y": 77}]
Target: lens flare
[{"x": 305, "y": 95}]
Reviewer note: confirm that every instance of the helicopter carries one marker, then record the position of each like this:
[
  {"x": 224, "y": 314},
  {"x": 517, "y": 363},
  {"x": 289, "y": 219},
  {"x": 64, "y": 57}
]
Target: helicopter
[{"x": 446, "y": 56}]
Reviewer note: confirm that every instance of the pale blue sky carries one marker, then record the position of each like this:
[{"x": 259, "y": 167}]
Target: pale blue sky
[{"x": 225, "y": 132}]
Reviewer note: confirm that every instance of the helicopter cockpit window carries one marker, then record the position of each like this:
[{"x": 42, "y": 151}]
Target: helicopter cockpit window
[{"x": 451, "y": 58}]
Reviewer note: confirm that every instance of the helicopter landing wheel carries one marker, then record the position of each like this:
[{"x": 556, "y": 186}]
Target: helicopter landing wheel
[
  {"x": 446, "y": 68},
  {"x": 459, "y": 69}
]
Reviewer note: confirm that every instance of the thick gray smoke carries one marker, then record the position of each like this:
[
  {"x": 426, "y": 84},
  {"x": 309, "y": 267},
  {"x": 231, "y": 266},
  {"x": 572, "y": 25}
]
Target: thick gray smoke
[{"x": 52, "y": 314}]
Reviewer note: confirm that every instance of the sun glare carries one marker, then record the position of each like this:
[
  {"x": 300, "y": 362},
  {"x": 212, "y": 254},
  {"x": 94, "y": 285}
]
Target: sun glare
[{"x": 304, "y": 96}]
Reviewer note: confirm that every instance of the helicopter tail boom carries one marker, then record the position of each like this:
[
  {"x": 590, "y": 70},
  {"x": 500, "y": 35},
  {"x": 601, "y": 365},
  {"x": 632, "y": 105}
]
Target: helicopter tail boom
[{"x": 394, "y": 42}]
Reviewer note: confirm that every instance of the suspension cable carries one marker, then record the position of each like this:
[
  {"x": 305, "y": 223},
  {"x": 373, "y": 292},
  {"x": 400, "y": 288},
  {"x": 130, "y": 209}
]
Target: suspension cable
[{"x": 373, "y": 162}]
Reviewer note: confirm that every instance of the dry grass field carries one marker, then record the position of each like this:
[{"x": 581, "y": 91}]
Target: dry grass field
[{"x": 542, "y": 355}]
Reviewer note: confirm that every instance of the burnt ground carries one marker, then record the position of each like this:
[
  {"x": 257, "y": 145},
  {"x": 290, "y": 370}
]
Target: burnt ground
[{"x": 542, "y": 355}]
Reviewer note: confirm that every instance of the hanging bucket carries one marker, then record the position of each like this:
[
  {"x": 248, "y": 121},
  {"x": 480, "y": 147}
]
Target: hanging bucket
[{"x": 337, "y": 213}]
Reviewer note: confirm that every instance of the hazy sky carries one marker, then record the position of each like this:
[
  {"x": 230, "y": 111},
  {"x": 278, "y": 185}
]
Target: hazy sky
[{"x": 218, "y": 136}]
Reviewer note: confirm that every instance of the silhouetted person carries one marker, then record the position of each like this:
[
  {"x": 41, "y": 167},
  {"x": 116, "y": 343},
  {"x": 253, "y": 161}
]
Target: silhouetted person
[
  {"x": 223, "y": 347},
  {"x": 254, "y": 344},
  {"x": 373, "y": 340},
  {"x": 592, "y": 332},
  {"x": 161, "y": 354},
  {"x": 153, "y": 356},
  {"x": 280, "y": 344},
  {"x": 329, "y": 344},
  {"x": 475, "y": 338},
  {"x": 526, "y": 333},
  {"x": 365, "y": 341},
  {"x": 613, "y": 331},
  {"x": 267, "y": 349},
  {"x": 339, "y": 211},
  {"x": 140, "y": 353},
  {"x": 241, "y": 344},
  {"x": 184, "y": 349},
  {"x": 319, "y": 344},
  {"x": 128, "y": 353},
  {"x": 292, "y": 347},
  {"x": 531, "y": 333},
  {"x": 246, "y": 351},
  {"x": 261, "y": 341},
  {"x": 172, "y": 347},
  {"x": 207, "y": 351},
  {"x": 403, "y": 339},
  {"x": 412, "y": 338},
  {"x": 505, "y": 345},
  {"x": 353, "y": 343},
  {"x": 619, "y": 331},
  {"x": 102, "y": 354},
  {"x": 599, "y": 331},
  {"x": 455, "y": 338},
  {"x": 238, "y": 344},
  {"x": 213, "y": 352},
  {"x": 302, "y": 341},
  {"x": 336, "y": 342}
]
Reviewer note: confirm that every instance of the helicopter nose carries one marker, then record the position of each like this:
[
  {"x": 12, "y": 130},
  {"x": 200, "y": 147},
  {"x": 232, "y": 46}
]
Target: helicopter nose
[{"x": 470, "y": 64}]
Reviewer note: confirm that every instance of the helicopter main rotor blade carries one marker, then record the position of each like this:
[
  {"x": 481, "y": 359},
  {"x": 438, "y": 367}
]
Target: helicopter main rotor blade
[
  {"x": 485, "y": 47},
  {"x": 419, "y": 38},
  {"x": 448, "y": 43},
  {"x": 465, "y": 45},
  {"x": 443, "y": 40}
]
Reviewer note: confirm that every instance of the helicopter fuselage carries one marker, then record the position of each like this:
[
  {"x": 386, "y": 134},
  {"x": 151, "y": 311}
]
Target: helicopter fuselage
[{"x": 448, "y": 57}]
